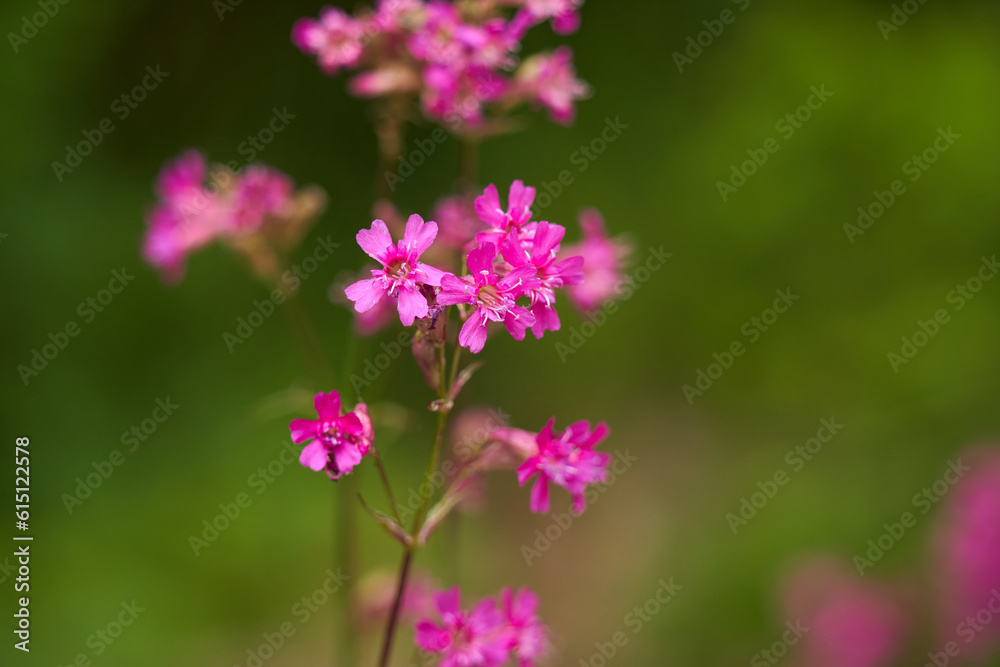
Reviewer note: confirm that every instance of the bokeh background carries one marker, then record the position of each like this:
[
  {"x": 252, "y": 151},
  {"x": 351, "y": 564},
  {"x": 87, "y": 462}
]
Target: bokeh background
[{"x": 666, "y": 517}]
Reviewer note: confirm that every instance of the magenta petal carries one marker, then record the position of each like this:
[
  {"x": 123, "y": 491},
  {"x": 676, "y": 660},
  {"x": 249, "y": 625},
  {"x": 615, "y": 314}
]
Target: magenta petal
[
  {"x": 432, "y": 276},
  {"x": 374, "y": 241},
  {"x": 419, "y": 235},
  {"x": 540, "y": 495},
  {"x": 303, "y": 429},
  {"x": 327, "y": 405},
  {"x": 547, "y": 238},
  {"x": 314, "y": 456},
  {"x": 517, "y": 320},
  {"x": 365, "y": 294},
  {"x": 351, "y": 424},
  {"x": 519, "y": 202},
  {"x": 455, "y": 290},
  {"x": 481, "y": 261},
  {"x": 412, "y": 305},
  {"x": 346, "y": 456},
  {"x": 473, "y": 334},
  {"x": 487, "y": 207},
  {"x": 546, "y": 319},
  {"x": 430, "y": 637}
]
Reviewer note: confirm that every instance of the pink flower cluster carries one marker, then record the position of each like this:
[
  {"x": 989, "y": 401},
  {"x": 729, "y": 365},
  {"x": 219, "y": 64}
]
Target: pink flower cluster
[
  {"x": 458, "y": 58},
  {"x": 515, "y": 266},
  {"x": 487, "y": 635},
  {"x": 200, "y": 205},
  {"x": 339, "y": 442}
]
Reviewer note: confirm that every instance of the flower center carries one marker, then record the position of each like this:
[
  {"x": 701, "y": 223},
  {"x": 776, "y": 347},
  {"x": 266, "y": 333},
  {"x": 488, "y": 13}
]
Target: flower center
[
  {"x": 489, "y": 297},
  {"x": 398, "y": 269}
]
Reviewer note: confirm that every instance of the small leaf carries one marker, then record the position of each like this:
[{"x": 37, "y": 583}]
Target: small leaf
[
  {"x": 464, "y": 377},
  {"x": 388, "y": 524}
]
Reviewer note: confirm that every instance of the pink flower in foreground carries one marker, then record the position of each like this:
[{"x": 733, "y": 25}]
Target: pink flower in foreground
[
  {"x": 493, "y": 297},
  {"x": 401, "y": 274},
  {"x": 335, "y": 39},
  {"x": 464, "y": 638},
  {"x": 525, "y": 632},
  {"x": 968, "y": 545},
  {"x": 548, "y": 79},
  {"x": 603, "y": 260},
  {"x": 567, "y": 459},
  {"x": 517, "y": 214},
  {"x": 842, "y": 621},
  {"x": 540, "y": 254},
  {"x": 338, "y": 441}
]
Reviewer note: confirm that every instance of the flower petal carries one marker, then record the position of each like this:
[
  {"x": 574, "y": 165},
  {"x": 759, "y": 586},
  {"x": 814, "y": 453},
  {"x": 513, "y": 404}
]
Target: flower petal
[
  {"x": 376, "y": 240},
  {"x": 419, "y": 235},
  {"x": 411, "y": 304},
  {"x": 314, "y": 456},
  {"x": 365, "y": 294}
]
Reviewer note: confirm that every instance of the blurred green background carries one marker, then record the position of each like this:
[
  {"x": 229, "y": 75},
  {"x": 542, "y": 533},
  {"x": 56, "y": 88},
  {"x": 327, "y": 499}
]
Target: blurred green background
[{"x": 826, "y": 357}]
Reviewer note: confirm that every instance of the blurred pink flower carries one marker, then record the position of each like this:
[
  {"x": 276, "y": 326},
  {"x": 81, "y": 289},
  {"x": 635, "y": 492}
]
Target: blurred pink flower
[
  {"x": 968, "y": 547},
  {"x": 335, "y": 39},
  {"x": 464, "y": 638},
  {"x": 549, "y": 80},
  {"x": 525, "y": 632},
  {"x": 603, "y": 263},
  {"x": 848, "y": 622}
]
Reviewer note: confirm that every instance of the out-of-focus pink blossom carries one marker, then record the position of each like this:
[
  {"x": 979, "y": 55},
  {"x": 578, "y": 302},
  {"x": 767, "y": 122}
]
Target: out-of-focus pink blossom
[
  {"x": 968, "y": 546},
  {"x": 474, "y": 638},
  {"x": 335, "y": 39},
  {"x": 457, "y": 222},
  {"x": 568, "y": 460},
  {"x": 549, "y": 80},
  {"x": 525, "y": 631},
  {"x": 840, "y": 620},
  {"x": 374, "y": 595},
  {"x": 603, "y": 263}
]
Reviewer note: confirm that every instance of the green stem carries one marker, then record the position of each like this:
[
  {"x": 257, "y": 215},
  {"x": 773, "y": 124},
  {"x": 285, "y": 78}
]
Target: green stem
[
  {"x": 386, "y": 486},
  {"x": 390, "y": 631}
]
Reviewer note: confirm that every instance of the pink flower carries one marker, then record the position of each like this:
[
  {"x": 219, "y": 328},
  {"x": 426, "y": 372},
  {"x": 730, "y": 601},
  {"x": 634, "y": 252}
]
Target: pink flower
[
  {"x": 259, "y": 193},
  {"x": 568, "y": 460},
  {"x": 391, "y": 78},
  {"x": 564, "y": 13},
  {"x": 499, "y": 220},
  {"x": 338, "y": 441},
  {"x": 437, "y": 40},
  {"x": 525, "y": 632},
  {"x": 457, "y": 222},
  {"x": 493, "y": 297},
  {"x": 851, "y": 622},
  {"x": 456, "y": 93},
  {"x": 374, "y": 595},
  {"x": 540, "y": 253},
  {"x": 401, "y": 274},
  {"x": 549, "y": 79},
  {"x": 464, "y": 638},
  {"x": 968, "y": 547},
  {"x": 335, "y": 39},
  {"x": 603, "y": 260}
]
